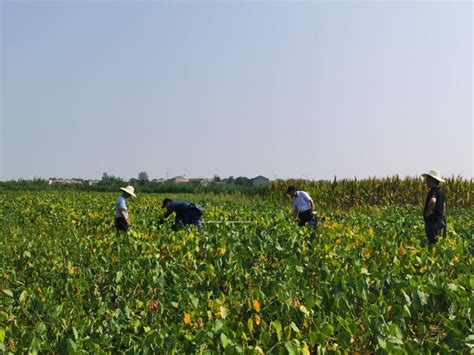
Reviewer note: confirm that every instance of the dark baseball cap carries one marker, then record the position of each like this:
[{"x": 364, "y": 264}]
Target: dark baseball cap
[{"x": 165, "y": 201}]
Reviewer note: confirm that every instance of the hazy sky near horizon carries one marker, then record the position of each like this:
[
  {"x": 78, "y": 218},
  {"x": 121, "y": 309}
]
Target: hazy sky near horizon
[{"x": 282, "y": 89}]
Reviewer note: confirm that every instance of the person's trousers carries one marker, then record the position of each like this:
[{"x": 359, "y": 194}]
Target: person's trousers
[
  {"x": 121, "y": 224},
  {"x": 306, "y": 217},
  {"x": 180, "y": 222},
  {"x": 433, "y": 229}
]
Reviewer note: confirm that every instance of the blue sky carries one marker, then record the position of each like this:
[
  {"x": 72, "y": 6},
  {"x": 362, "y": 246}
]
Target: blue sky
[{"x": 282, "y": 89}]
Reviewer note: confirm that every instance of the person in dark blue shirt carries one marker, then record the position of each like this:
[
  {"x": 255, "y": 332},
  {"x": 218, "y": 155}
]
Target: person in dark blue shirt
[
  {"x": 433, "y": 212},
  {"x": 186, "y": 213}
]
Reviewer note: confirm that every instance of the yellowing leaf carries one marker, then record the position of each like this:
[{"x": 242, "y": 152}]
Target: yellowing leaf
[
  {"x": 187, "y": 319},
  {"x": 256, "y": 305},
  {"x": 223, "y": 312},
  {"x": 366, "y": 253},
  {"x": 401, "y": 250},
  {"x": 74, "y": 270}
]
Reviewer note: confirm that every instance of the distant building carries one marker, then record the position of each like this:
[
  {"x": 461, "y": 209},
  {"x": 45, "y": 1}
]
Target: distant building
[
  {"x": 178, "y": 180},
  {"x": 158, "y": 181},
  {"x": 55, "y": 181},
  {"x": 259, "y": 180}
]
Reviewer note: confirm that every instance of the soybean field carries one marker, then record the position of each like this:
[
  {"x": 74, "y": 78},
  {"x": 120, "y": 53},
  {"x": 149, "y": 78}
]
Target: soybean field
[{"x": 364, "y": 282}]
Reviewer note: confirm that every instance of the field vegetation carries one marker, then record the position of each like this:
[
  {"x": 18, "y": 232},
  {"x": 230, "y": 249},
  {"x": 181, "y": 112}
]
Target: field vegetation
[{"x": 364, "y": 282}]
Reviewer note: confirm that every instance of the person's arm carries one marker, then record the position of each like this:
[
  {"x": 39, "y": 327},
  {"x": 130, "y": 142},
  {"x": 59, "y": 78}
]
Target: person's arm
[
  {"x": 124, "y": 215},
  {"x": 431, "y": 206},
  {"x": 168, "y": 212},
  {"x": 122, "y": 207},
  {"x": 295, "y": 212}
]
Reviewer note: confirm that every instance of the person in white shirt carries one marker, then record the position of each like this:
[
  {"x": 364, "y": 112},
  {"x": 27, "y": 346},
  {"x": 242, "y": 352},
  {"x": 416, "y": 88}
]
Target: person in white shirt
[
  {"x": 303, "y": 207},
  {"x": 121, "y": 211}
]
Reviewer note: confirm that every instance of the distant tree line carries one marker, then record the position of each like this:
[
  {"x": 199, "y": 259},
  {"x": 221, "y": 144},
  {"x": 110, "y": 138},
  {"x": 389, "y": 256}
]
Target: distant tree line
[
  {"x": 345, "y": 193},
  {"x": 111, "y": 183}
]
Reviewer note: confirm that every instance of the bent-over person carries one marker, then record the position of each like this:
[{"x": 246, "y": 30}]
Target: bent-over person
[
  {"x": 303, "y": 207},
  {"x": 186, "y": 213}
]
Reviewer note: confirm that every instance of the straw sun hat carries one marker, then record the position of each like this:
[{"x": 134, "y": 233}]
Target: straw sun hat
[
  {"x": 434, "y": 174},
  {"x": 129, "y": 190}
]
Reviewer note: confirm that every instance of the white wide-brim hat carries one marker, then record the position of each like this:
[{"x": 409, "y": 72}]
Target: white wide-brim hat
[
  {"x": 129, "y": 190},
  {"x": 434, "y": 174}
]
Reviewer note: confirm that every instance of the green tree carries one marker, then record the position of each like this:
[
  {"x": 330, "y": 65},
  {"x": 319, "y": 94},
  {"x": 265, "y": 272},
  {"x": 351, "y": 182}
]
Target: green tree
[
  {"x": 243, "y": 181},
  {"x": 142, "y": 178}
]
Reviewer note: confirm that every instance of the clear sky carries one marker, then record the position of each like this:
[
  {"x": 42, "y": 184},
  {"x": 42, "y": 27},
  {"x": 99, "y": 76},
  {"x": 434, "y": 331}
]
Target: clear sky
[{"x": 282, "y": 89}]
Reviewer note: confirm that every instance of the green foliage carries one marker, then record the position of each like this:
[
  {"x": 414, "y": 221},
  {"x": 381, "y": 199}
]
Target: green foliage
[
  {"x": 363, "y": 282},
  {"x": 374, "y": 192},
  {"x": 329, "y": 194}
]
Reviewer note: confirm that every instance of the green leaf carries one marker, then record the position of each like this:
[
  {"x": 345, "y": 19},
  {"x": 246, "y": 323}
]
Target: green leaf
[
  {"x": 218, "y": 326},
  {"x": 22, "y": 296},
  {"x": 327, "y": 330},
  {"x": 35, "y": 346},
  {"x": 313, "y": 338},
  {"x": 395, "y": 340},
  {"x": 295, "y": 327},
  {"x": 250, "y": 325},
  {"x": 195, "y": 301},
  {"x": 407, "y": 298},
  {"x": 276, "y": 324},
  {"x": 2, "y": 335},
  {"x": 395, "y": 331},
  {"x": 118, "y": 276},
  {"x": 344, "y": 339},
  {"x": 41, "y": 328},
  {"x": 407, "y": 309},
  {"x": 304, "y": 310},
  {"x": 452, "y": 287},
  {"x": 423, "y": 297},
  {"x": 224, "y": 340},
  {"x": 136, "y": 325},
  {"x": 71, "y": 346},
  {"x": 292, "y": 347},
  {"x": 8, "y": 292},
  {"x": 382, "y": 342},
  {"x": 74, "y": 330}
]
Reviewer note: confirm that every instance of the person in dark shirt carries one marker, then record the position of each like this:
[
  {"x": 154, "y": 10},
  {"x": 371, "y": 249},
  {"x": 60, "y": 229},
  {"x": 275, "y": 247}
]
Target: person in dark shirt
[
  {"x": 433, "y": 213},
  {"x": 186, "y": 213}
]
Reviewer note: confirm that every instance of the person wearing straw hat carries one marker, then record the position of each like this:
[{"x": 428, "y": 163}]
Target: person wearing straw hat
[
  {"x": 121, "y": 212},
  {"x": 303, "y": 207},
  {"x": 433, "y": 212}
]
